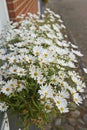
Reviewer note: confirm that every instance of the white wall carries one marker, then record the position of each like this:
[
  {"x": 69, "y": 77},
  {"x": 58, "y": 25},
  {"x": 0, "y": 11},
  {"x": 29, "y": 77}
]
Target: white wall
[
  {"x": 5, "y": 123},
  {"x": 39, "y": 6},
  {"x": 3, "y": 14}
]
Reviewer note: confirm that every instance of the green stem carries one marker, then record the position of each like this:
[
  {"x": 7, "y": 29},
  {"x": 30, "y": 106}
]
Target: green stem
[{"x": 26, "y": 125}]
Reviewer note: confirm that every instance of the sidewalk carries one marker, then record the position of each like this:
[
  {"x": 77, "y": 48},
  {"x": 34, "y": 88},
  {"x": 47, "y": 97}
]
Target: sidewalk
[{"x": 74, "y": 15}]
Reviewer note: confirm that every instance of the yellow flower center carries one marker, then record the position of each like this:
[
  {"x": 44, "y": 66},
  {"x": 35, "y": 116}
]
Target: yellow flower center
[
  {"x": 18, "y": 82},
  {"x": 30, "y": 60},
  {"x": 45, "y": 54},
  {"x": 41, "y": 80},
  {"x": 14, "y": 60},
  {"x": 3, "y": 106},
  {"x": 54, "y": 80},
  {"x": 47, "y": 107},
  {"x": 61, "y": 108},
  {"x": 24, "y": 58},
  {"x": 14, "y": 70},
  {"x": 35, "y": 74},
  {"x": 7, "y": 89},
  {"x": 37, "y": 52},
  {"x": 43, "y": 99},
  {"x": 21, "y": 72},
  {"x": 75, "y": 99},
  {"x": 54, "y": 95},
  {"x": 12, "y": 85},
  {"x": 58, "y": 102},
  {"x": 46, "y": 93}
]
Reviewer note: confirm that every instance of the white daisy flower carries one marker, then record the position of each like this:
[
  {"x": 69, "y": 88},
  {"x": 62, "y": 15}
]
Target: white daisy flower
[
  {"x": 3, "y": 107},
  {"x": 76, "y": 80},
  {"x": 41, "y": 80},
  {"x": 77, "y": 98},
  {"x": 48, "y": 106},
  {"x": 72, "y": 57},
  {"x": 61, "y": 104},
  {"x": 21, "y": 72},
  {"x": 6, "y": 57},
  {"x": 5, "y": 66},
  {"x": 12, "y": 83},
  {"x": 54, "y": 79},
  {"x": 74, "y": 46},
  {"x": 72, "y": 90},
  {"x": 41, "y": 59},
  {"x": 46, "y": 91},
  {"x": 19, "y": 44},
  {"x": 35, "y": 72},
  {"x": 37, "y": 50},
  {"x": 58, "y": 100},
  {"x": 52, "y": 49},
  {"x": 2, "y": 51},
  {"x": 23, "y": 57},
  {"x": 63, "y": 26},
  {"x": 7, "y": 90},
  {"x": 64, "y": 94},
  {"x": 13, "y": 59},
  {"x": 61, "y": 62},
  {"x": 56, "y": 27},
  {"x": 31, "y": 59},
  {"x": 23, "y": 51},
  {"x": 85, "y": 70},
  {"x": 78, "y": 53},
  {"x": 63, "y": 108},
  {"x": 79, "y": 88},
  {"x": 13, "y": 69},
  {"x": 71, "y": 64},
  {"x": 51, "y": 35},
  {"x": 12, "y": 48},
  {"x": 57, "y": 15},
  {"x": 20, "y": 87}
]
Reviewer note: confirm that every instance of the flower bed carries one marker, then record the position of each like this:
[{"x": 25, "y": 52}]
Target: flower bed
[{"x": 39, "y": 72}]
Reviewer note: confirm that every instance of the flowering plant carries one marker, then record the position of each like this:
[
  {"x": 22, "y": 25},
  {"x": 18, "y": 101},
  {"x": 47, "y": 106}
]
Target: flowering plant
[{"x": 39, "y": 70}]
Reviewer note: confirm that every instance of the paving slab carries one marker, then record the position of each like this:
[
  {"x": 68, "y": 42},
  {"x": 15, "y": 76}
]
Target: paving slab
[{"x": 74, "y": 15}]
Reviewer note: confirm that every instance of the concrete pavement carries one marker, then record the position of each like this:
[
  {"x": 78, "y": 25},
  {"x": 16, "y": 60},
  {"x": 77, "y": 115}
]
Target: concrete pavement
[{"x": 74, "y": 15}]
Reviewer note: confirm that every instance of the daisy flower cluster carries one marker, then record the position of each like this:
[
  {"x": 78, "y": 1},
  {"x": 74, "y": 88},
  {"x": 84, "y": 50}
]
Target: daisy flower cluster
[{"x": 39, "y": 71}]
